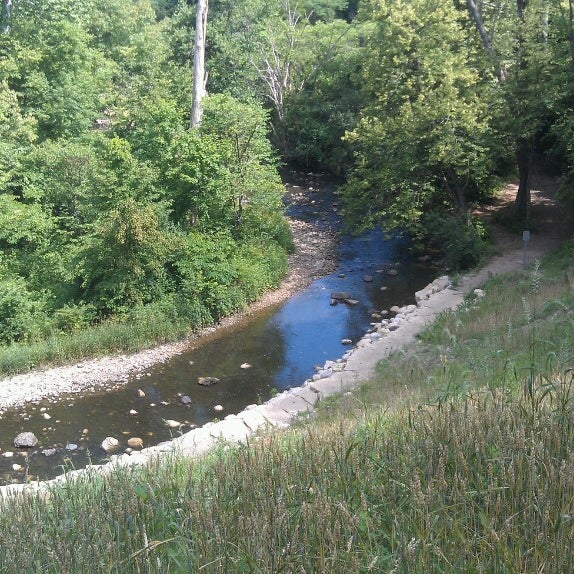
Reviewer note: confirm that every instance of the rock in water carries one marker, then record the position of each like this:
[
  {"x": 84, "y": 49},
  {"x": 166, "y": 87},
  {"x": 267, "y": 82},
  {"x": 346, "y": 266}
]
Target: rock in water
[
  {"x": 340, "y": 295},
  {"x": 185, "y": 400},
  {"x": 367, "y": 278},
  {"x": 135, "y": 442},
  {"x": 172, "y": 424},
  {"x": 25, "y": 440},
  {"x": 207, "y": 381},
  {"x": 110, "y": 443}
]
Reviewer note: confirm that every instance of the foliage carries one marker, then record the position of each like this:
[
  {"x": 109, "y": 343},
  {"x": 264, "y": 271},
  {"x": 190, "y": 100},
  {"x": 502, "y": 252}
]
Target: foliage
[
  {"x": 424, "y": 138},
  {"x": 461, "y": 240}
]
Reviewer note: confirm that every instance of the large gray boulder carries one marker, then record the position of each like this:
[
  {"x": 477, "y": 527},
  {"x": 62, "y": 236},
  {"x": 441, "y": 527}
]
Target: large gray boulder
[{"x": 25, "y": 440}]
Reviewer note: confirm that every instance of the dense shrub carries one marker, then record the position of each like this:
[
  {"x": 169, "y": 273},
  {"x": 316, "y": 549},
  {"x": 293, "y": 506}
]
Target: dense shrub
[{"x": 460, "y": 240}]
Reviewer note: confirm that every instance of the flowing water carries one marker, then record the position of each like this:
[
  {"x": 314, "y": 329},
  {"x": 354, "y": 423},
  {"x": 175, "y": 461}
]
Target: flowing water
[{"x": 273, "y": 350}]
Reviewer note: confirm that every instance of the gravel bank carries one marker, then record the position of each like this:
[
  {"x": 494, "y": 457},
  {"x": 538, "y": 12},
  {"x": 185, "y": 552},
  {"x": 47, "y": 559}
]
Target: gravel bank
[{"x": 315, "y": 255}]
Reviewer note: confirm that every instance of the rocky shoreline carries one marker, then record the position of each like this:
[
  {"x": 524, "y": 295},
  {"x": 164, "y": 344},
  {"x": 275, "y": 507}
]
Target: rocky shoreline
[{"x": 315, "y": 256}]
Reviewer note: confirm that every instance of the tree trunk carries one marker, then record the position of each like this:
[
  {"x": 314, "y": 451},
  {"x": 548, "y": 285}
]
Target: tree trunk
[
  {"x": 199, "y": 77},
  {"x": 6, "y": 15},
  {"x": 524, "y": 161}
]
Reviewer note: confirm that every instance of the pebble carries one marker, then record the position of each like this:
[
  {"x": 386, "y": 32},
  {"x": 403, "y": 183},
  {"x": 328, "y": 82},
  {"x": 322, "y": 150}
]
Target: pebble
[
  {"x": 171, "y": 423},
  {"x": 218, "y": 408}
]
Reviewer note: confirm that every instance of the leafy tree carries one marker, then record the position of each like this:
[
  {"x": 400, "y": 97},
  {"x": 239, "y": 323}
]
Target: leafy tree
[
  {"x": 424, "y": 140},
  {"x": 520, "y": 40},
  {"x": 120, "y": 264}
]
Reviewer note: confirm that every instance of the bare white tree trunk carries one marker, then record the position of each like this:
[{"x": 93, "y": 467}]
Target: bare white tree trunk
[
  {"x": 486, "y": 40},
  {"x": 7, "y": 15},
  {"x": 199, "y": 76}
]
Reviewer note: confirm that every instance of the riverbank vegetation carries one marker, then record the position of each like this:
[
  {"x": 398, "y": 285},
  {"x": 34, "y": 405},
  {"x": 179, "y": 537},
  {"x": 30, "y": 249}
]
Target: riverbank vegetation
[
  {"x": 456, "y": 457},
  {"x": 113, "y": 210}
]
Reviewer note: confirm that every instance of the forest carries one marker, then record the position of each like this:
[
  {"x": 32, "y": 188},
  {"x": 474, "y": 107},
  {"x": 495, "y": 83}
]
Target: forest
[{"x": 114, "y": 210}]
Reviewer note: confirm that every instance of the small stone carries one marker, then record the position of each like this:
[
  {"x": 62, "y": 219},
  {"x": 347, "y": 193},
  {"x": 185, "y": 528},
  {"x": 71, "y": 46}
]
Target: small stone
[
  {"x": 85, "y": 431},
  {"x": 185, "y": 400},
  {"x": 71, "y": 446},
  {"x": 8, "y": 454},
  {"x": 133, "y": 412},
  {"x": 342, "y": 276},
  {"x": 346, "y": 342},
  {"x": 141, "y": 393},
  {"x": 46, "y": 416},
  {"x": 384, "y": 288},
  {"x": 218, "y": 408},
  {"x": 135, "y": 442},
  {"x": 395, "y": 309},
  {"x": 171, "y": 423},
  {"x": 367, "y": 278},
  {"x": 25, "y": 440},
  {"x": 340, "y": 295},
  {"x": 17, "y": 467},
  {"x": 110, "y": 443},
  {"x": 207, "y": 381},
  {"x": 245, "y": 366},
  {"x": 49, "y": 452},
  {"x": 392, "y": 272},
  {"x": 351, "y": 302}
]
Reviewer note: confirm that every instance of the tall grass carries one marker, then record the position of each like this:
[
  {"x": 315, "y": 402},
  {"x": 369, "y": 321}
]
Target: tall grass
[
  {"x": 457, "y": 457},
  {"x": 479, "y": 484}
]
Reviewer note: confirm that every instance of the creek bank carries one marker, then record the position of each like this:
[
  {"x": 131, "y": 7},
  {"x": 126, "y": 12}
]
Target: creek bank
[
  {"x": 315, "y": 256},
  {"x": 337, "y": 376},
  {"x": 343, "y": 375}
]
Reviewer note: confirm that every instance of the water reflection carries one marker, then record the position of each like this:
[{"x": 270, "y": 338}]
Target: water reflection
[{"x": 282, "y": 345}]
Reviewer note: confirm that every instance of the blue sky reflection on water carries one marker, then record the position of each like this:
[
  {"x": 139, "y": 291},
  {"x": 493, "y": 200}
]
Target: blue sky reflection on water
[{"x": 312, "y": 329}]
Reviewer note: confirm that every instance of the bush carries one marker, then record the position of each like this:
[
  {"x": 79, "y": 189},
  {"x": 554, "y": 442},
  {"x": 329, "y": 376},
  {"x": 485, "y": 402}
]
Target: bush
[
  {"x": 22, "y": 314},
  {"x": 462, "y": 240}
]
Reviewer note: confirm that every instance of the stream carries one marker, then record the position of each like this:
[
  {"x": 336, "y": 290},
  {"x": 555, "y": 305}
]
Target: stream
[{"x": 270, "y": 351}]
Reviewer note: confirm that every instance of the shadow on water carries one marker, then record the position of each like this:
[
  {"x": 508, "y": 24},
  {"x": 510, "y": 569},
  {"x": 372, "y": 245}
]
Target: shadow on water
[{"x": 276, "y": 349}]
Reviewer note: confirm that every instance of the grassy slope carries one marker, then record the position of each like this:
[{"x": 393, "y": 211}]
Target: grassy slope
[{"x": 457, "y": 457}]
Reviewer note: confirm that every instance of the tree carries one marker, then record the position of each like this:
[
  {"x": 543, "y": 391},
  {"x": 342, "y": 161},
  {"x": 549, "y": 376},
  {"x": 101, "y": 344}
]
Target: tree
[
  {"x": 6, "y": 16},
  {"x": 423, "y": 142},
  {"x": 518, "y": 48},
  {"x": 199, "y": 76}
]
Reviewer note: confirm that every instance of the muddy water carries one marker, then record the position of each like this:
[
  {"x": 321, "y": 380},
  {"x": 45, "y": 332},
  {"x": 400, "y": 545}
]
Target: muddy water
[{"x": 273, "y": 350}]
